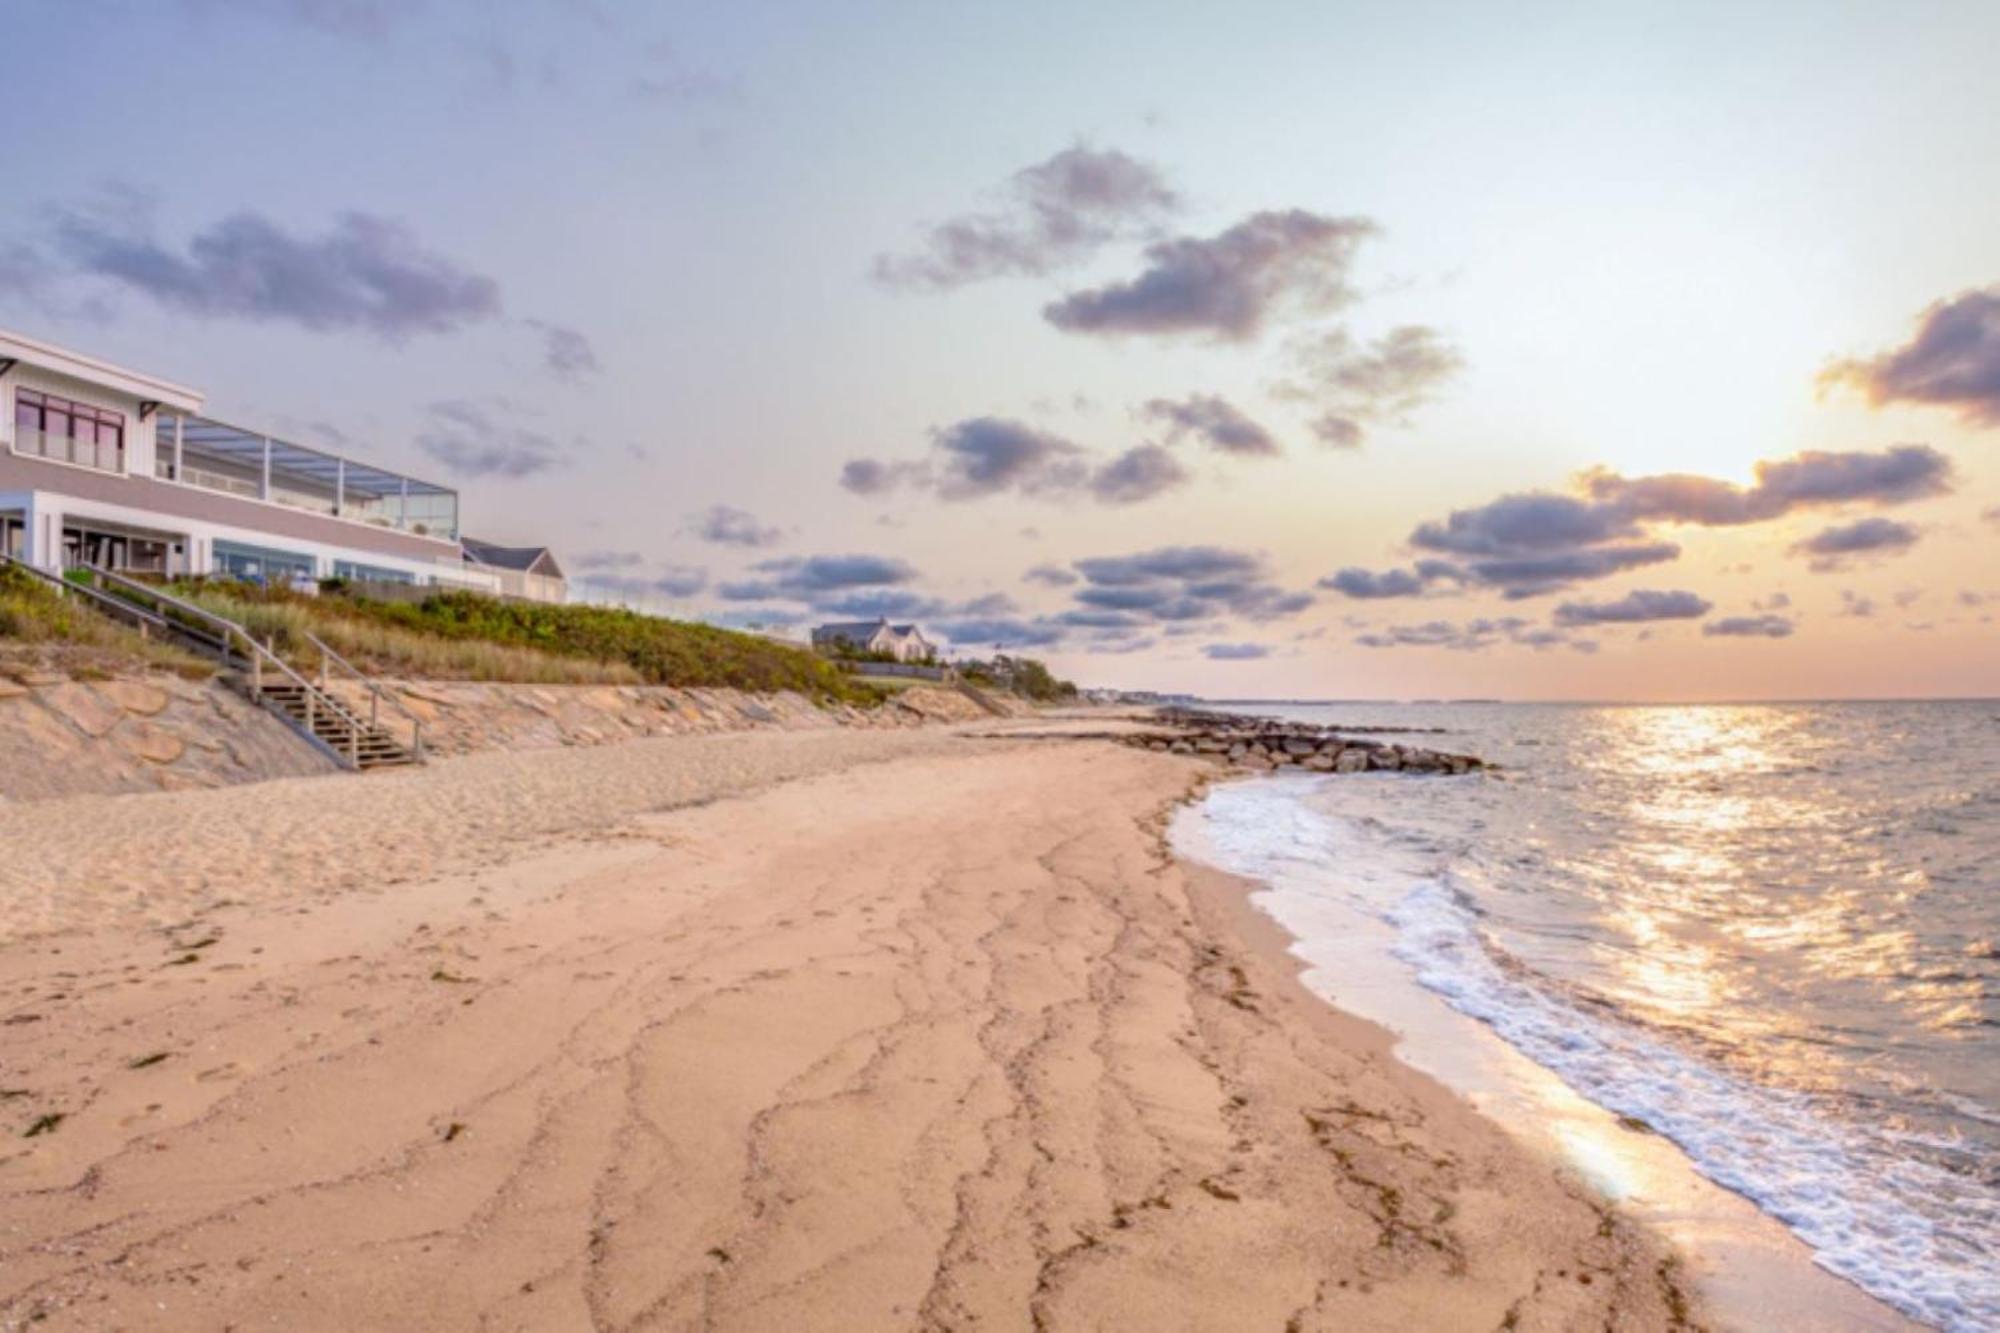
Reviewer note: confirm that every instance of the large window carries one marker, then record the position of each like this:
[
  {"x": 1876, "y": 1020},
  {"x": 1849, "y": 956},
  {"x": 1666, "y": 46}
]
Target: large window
[
  {"x": 67, "y": 431},
  {"x": 261, "y": 564}
]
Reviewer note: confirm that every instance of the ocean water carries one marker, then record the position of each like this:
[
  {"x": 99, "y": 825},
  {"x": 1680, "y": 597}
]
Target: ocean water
[{"x": 1769, "y": 932}]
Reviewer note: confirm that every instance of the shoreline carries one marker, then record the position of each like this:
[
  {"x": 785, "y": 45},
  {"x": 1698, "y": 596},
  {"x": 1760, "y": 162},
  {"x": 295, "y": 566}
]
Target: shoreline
[
  {"x": 906, "y": 1031},
  {"x": 1749, "y": 1270}
]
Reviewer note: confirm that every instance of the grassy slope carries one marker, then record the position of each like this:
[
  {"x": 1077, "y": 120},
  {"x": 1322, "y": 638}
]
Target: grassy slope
[
  {"x": 463, "y": 636},
  {"x": 41, "y": 630}
]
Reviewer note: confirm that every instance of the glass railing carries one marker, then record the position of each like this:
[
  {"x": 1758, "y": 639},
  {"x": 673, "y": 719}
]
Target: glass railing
[{"x": 63, "y": 449}]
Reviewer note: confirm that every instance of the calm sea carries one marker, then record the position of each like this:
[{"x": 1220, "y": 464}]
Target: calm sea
[{"x": 1770, "y": 932}]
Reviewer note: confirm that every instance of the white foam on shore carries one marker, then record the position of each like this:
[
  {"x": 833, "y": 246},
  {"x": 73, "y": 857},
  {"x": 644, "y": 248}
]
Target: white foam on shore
[{"x": 1914, "y": 1234}]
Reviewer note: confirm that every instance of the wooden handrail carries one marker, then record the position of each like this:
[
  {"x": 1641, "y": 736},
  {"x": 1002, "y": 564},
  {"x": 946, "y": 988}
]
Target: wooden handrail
[
  {"x": 258, "y": 656},
  {"x": 376, "y": 693}
]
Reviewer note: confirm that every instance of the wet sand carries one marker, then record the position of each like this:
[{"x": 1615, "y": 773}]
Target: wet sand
[{"x": 800, "y": 1031}]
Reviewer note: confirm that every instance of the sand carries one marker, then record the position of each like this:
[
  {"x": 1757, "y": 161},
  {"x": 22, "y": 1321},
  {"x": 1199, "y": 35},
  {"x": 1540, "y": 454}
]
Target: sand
[{"x": 866, "y": 1031}]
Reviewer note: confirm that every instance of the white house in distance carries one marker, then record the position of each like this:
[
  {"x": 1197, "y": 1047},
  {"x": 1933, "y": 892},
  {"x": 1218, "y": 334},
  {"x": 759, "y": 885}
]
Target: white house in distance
[
  {"x": 115, "y": 468},
  {"x": 905, "y": 643}
]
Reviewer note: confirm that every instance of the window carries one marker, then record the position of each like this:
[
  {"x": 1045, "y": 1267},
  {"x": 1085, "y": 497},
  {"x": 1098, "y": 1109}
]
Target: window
[
  {"x": 260, "y": 564},
  {"x": 348, "y": 569},
  {"x": 69, "y": 432}
]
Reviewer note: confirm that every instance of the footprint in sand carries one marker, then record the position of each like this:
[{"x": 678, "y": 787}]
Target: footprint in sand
[{"x": 227, "y": 1071}]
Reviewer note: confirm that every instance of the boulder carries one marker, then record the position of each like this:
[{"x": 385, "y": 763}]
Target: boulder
[
  {"x": 149, "y": 741},
  {"x": 83, "y": 708},
  {"x": 1384, "y": 759},
  {"x": 1351, "y": 761},
  {"x": 1319, "y": 763},
  {"x": 134, "y": 696},
  {"x": 1299, "y": 748}
]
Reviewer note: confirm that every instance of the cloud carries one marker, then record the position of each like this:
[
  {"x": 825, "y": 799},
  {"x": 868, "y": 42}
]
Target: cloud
[
  {"x": 1832, "y": 548},
  {"x": 567, "y": 353},
  {"x": 1536, "y": 542},
  {"x": 1385, "y": 381},
  {"x": 1005, "y": 631},
  {"x": 1633, "y": 608},
  {"x": 469, "y": 442},
  {"x": 1764, "y": 627},
  {"x": 1853, "y": 603},
  {"x": 365, "y": 272},
  {"x": 675, "y": 581},
  {"x": 1368, "y": 585},
  {"x": 1811, "y": 479},
  {"x": 1050, "y": 576},
  {"x": 727, "y": 525},
  {"x": 1186, "y": 583},
  {"x": 868, "y": 476},
  {"x": 987, "y": 456},
  {"x": 806, "y": 578},
  {"x": 1055, "y": 213},
  {"x": 1472, "y": 636},
  {"x": 1214, "y": 421},
  {"x": 1137, "y": 475},
  {"x": 1227, "y": 286},
  {"x": 1953, "y": 361},
  {"x": 607, "y": 560},
  {"x": 1234, "y": 652}
]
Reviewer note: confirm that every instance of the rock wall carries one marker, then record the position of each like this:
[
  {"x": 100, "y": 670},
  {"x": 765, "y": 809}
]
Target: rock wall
[
  {"x": 1262, "y": 744},
  {"x": 154, "y": 732},
  {"x": 465, "y": 717}
]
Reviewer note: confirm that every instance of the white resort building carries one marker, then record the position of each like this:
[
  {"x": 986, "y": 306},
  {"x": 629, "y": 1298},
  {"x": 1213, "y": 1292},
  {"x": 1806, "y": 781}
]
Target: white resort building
[{"x": 110, "y": 467}]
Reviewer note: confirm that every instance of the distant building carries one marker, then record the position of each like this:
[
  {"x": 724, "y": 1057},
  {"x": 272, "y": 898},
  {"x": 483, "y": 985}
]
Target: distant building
[
  {"x": 528, "y": 572},
  {"x": 905, "y": 643}
]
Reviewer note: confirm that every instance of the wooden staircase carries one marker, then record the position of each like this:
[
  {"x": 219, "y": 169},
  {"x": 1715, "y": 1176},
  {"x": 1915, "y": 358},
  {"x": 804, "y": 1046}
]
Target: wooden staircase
[
  {"x": 254, "y": 669},
  {"x": 315, "y": 713}
]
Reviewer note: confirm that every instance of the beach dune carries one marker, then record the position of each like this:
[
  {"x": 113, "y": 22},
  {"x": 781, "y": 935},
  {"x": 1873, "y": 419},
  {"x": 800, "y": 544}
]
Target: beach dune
[{"x": 914, "y": 1031}]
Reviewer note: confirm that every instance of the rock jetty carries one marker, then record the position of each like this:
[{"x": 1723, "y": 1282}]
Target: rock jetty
[{"x": 1264, "y": 743}]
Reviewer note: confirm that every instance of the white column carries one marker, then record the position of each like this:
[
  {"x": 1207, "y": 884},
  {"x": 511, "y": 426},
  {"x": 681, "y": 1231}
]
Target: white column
[
  {"x": 43, "y": 543},
  {"x": 339, "y": 487},
  {"x": 180, "y": 462},
  {"x": 264, "y": 483}
]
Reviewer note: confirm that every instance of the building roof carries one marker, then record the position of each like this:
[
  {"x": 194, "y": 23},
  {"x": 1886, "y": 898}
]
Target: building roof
[
  {"x": 146, "y": 388},
  {"x": 858, "y": 630},
  {"x": 526, "y": 559}
]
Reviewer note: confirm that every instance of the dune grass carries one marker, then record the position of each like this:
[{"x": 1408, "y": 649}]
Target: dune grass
[
  {"x": 466, "y": 636},
  {"x": 41, "y": 630}
]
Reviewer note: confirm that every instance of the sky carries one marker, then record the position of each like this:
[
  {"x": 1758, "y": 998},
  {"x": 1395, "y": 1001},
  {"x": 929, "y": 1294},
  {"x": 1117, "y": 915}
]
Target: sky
[{"x": 1607, "y": 351}]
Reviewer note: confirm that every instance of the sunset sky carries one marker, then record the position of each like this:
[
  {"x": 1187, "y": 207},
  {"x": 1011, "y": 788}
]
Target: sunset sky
[{"x": 1390, "y": 350}]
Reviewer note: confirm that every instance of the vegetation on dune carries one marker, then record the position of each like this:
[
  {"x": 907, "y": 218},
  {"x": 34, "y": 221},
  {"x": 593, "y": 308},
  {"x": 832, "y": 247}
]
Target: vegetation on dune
[
  {"x": 1024, "y": 675},
  {"x": 451, "y": 635},
  {"x": 42, "y": 630}
]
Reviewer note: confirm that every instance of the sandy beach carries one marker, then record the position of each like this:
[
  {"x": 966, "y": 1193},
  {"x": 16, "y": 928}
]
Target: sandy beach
[{"x": 781, "y": 1031}]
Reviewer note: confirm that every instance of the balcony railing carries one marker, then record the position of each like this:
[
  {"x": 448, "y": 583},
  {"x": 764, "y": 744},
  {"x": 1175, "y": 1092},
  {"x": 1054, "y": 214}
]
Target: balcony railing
[{"x": 63, "y": 449}]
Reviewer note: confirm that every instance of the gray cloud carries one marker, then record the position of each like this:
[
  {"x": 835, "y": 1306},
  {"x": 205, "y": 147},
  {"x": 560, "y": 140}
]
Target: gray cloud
[
  {"x": 1006, "y": 631},
  {"x": 1764, "y": 627},
  {"x": 1368, "y": 585},
  {"x": 607, "y": 560},
  {"x": 673, "y": 581},
  {"x": 366, "y": 272},
  {"x": 1137, "y": 475},
  {"x": 1473, "y": 636},
  {"x": 1228, "y": 285},
  {"x": 987, "y": 456},
  {"x": 1953, "y": 361},
  {"x": 806, "y": 578},
  {"x": 567, "y": 353},
  {"x": 470, "y": 442},
  {"x": 1213, "y": 420},
  {"x": 1359, "y": 386},
  {"x": 1536, "y": 542},
  {"x": 1234, "y": 652},
  {"x": 1050, "y": 576},
  {"x": 1056, "y": 213},
  {"x": 726, "y": 525},
  {"x": 1186, "y": 583},
  {"x": 1853, "y": 603},
  {"x": 1634, "y": 607},
  {"x": 1832, "y": 548}
]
